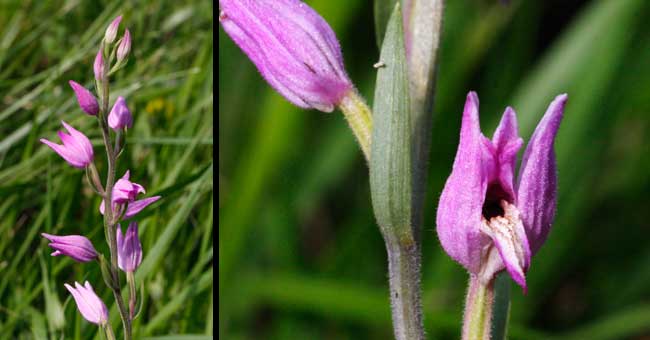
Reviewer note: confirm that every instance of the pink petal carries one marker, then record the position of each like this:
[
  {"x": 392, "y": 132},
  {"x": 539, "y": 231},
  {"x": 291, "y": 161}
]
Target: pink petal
[
  {"x": 460, "y": 207},
  {"x": 536, "y": 195},
  {"x": 135, "y": 207}
]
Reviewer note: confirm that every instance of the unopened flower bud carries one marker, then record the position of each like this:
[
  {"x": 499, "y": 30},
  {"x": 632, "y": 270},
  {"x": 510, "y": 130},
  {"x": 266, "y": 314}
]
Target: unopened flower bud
[
  {"x": 292, "y": 46},
  {"x": 129, "y": 249},
  {"x": 77, "y": 247},
  {"x": 125, "y": 46},
  {"x": 86, "y": 100},
  {"x": 111, "y": 30},
  {"x": 120, "y": 116},
  {"x": 99, "y": 67}
]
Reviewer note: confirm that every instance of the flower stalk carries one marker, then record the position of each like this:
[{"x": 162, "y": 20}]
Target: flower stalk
[
  {"x": 477, "y": 319},
  {"x": 359, "y": 117},
  {"x": 108, "y": 330},
  {"x": 130, "y": 280}
]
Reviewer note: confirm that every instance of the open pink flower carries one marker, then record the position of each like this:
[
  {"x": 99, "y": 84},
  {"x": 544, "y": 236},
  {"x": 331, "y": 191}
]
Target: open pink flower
[
  {"x": 91, "y": 307},
  {"x": 76, "y": 149},
  {"x": 485, "y": 220},
  {"x": 124, "y": 197}
]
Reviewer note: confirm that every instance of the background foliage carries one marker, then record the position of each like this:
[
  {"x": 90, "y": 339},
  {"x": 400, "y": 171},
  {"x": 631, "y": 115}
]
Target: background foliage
[
  {"x": 300, "y": 254},
  {"x": 168, "y": 86}
]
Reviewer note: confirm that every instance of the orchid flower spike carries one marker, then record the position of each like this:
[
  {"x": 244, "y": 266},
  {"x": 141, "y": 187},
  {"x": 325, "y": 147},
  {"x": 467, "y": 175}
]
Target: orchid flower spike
[
  {"x": 76, "y": 149},
  {"x": 120, "y": 115},
  {"x": 111, "y": 30},
  {"x": 486, "y": 222},
  {"x": 85, "y": 98},
  {"x": 292, "y": 46},
  {"x": 129, "y": 249},
  {"x": 77, "y": 247},
  {"x": 91, "y": 307},
  {"x": 124, "y": 193}
]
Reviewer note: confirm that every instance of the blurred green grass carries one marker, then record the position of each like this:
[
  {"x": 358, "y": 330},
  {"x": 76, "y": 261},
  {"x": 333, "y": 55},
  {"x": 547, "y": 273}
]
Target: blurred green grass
[
  {"x": 300, "y": 255},
  {"x": 168, "y": 83}
]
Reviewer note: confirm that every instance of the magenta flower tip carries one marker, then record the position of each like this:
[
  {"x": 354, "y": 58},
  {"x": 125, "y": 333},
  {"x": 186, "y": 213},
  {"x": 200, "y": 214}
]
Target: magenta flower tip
[
  {"x": 76, "y": 148},
  {"x": 484, "y": 221},
  {"x": 91, "y": 307},
  {"x": 77, "y": 247},
  {"x": 293, "y": 48},
  {"x": 85, "y": 98},
  {"x": 120, "y": 116},
  {"x": 111, "y": 30}
]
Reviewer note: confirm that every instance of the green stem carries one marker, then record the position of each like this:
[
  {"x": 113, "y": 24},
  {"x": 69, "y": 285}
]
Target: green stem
[
  {"x": 359, "y": 117},
  {"x": 478, "y": 310}
]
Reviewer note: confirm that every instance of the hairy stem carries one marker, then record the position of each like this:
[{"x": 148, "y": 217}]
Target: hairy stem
[
  {"x": 477, "y": 320},
  {"x": 404, "y": 280}
]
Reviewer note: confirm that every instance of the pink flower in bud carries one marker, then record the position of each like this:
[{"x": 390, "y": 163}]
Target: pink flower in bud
[
  {"x": 99, "y": 67},
  {"x": 85, "y": 98},
  {"x": 129, "y": 249},
  {"x": 91, "y": 307},
  {"x": 292, "y": 46},
  {"x": 76, "y": 149},
  {"x": 120, "y": 116},
  {"x": 125, "y": 46},
  {"x": 111, "y": 30},
  {"x": 77, "y": 247}
]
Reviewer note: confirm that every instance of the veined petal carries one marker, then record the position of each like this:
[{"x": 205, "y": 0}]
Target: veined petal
[
  {"x": 460, "y": 206},
  {"x": 536, "y": 193}
]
